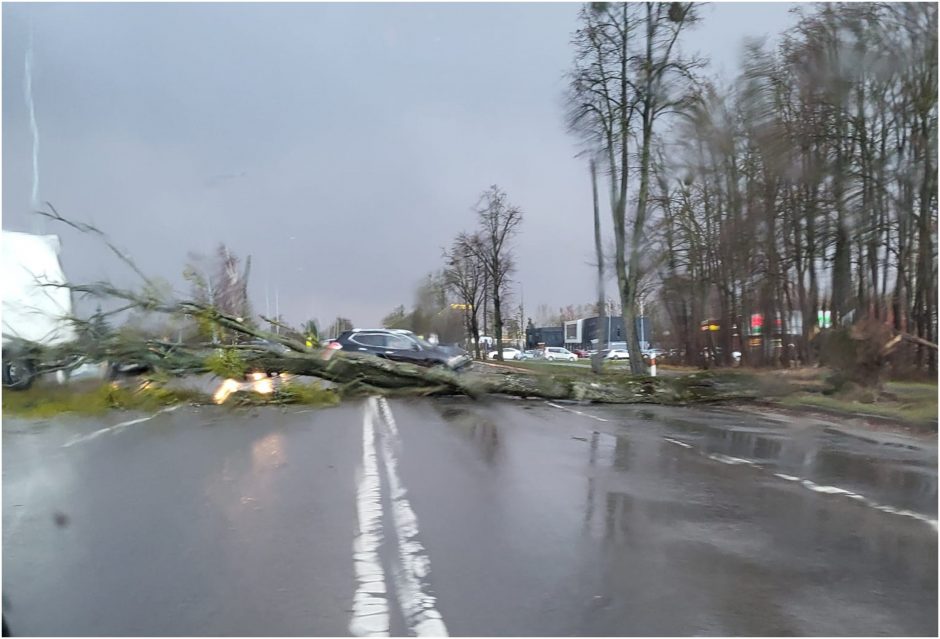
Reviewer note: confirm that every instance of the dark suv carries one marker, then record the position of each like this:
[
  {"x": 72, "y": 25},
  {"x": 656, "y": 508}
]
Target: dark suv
[{"x": 402, "y": 346}]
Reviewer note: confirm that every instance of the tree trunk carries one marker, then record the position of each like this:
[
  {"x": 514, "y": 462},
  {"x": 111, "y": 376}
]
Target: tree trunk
[
  {"x": 629, "y": 299},
  {"x": 498, "y": 322},
  {"x": 597, "y": 361},
  {"x": 841, "y": 266},
  {"x": 475, "y": 333}
]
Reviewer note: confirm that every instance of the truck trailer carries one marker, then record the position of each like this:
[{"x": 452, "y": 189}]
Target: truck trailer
[{"x": 37, "y": 306}]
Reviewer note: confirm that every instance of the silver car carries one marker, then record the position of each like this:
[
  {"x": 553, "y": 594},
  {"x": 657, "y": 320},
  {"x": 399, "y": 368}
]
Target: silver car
[
  {"x": 553, "y": 353},
  {"x": 508, "y": 353}
]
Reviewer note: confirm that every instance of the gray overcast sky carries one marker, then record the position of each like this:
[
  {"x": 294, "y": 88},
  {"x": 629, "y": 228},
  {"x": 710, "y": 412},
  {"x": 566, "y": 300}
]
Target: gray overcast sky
[{"x": 341, "y": 145}]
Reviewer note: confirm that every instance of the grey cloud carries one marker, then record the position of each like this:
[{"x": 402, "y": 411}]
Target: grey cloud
[{"x": 366, "y": 132}]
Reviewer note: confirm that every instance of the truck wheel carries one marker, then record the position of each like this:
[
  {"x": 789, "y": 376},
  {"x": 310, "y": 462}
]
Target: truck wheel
[{"x": 18, "y": 374}]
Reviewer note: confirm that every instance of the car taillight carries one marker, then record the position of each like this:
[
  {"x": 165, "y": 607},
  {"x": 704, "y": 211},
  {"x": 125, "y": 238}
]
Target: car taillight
[{"x": 334, "y": 345}]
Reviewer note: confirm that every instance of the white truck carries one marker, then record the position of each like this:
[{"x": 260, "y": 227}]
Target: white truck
[{"x": 36, "y": 308}]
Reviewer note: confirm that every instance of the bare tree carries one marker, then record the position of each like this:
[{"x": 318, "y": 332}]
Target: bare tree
[
  {"x": 499, "y": 222},
  {"x": 220, "y": 283},
  {"x": 232, "y": 294},
  {"x": 809, "y": 186},
  {"x": 398, "y": 318},
  {"x": 614, "y": 87},
  {"x": 464, "y": 275},
  {"x": 339, "y": 326}
]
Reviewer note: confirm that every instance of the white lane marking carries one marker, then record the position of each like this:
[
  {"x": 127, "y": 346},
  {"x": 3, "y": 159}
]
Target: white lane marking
[
  {"x": 117, "y": 427},
  {"x": 370, "y": 605},
  {"x": 734, "y": 461},
  {"x": 677, "y": 442},
  {"x": 414, "y": 569},
  {"x": 828, "y": 490},
  {"x": 389, "y": 420},
  {"x": 576, "y": 412},
  {"x": 835, "y": 490},
  {"x": 903, "y": 513},
  {"x": 818, "y": 488}
]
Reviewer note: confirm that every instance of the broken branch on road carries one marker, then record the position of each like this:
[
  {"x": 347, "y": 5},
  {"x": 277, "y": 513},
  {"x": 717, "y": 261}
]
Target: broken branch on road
[{"x": 353, "y": 373}]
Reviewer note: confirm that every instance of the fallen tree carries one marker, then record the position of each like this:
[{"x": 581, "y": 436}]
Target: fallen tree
[
  {"x": 352, "y": 373},
  {"x": 860, "y": 354},
  {"x": 355, "y": 374}
]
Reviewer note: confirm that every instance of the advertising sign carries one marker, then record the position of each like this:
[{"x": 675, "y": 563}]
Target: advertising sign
[{"x": 573, "y": 332}]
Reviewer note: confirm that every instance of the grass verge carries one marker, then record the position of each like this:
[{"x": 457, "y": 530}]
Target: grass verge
[
  {"x": 93, "y": 398},
  {"x": 909, "y": 402}
]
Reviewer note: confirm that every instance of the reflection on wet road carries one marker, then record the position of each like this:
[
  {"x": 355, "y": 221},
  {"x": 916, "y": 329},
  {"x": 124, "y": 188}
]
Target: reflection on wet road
[{"x": 533, "y": 519}]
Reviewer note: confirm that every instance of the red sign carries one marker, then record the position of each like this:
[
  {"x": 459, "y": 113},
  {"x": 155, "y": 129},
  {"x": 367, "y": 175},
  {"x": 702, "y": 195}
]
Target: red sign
[{"x": 757, "y": 323}]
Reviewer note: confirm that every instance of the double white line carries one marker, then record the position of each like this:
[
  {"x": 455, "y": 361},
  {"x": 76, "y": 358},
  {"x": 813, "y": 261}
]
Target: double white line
[{"x": 370, "y": 616}]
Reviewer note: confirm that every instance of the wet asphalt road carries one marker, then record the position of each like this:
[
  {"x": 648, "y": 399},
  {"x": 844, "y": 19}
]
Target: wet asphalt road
[{"x": 531, "y": 519}]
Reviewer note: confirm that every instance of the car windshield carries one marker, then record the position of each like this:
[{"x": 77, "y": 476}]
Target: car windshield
[{"x": 750, "y": 399}]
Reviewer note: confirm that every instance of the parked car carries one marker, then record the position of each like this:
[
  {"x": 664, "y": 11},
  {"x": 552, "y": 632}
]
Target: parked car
[
  {"x": 616, "y": 353},
  {"x": 531, "y": 354},
  {"x": 553, "y": 353},
  {"x": 401, "y": 346},
  {"x": 581, "y": 353},
  {"x": 508, "y": 353}
]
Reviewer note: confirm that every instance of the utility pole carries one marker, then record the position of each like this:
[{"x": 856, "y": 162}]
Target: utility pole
[{"x": 522, "y": 315}]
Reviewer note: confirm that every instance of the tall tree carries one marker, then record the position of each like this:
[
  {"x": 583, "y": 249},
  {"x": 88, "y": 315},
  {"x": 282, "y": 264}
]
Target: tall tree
[
  {"x": 617, "y": 86},
  {"x": 499, "y": 221},
  {"x": 464, "y": 275},
  {"x": 398, "y": 318},
  {"x": 340, "y": 325},
  {"x": 220, "y": 282},
  {"x": 809, "y": 185},
  {"x": 232, "y": 291}
]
